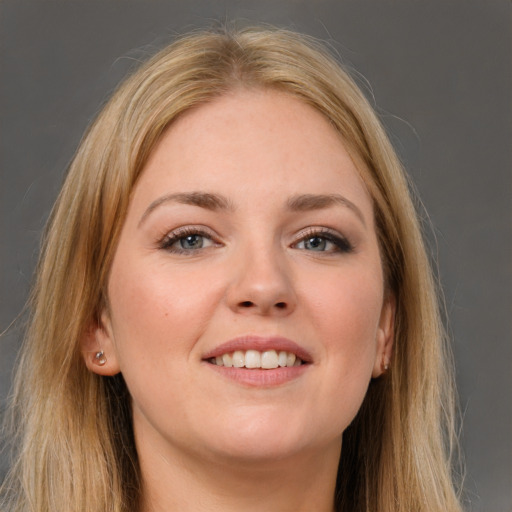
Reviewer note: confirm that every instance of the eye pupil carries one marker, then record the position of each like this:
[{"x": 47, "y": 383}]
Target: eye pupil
[
  {"x": 191, "y": 242},
  {"x": 315, "y": 243}
]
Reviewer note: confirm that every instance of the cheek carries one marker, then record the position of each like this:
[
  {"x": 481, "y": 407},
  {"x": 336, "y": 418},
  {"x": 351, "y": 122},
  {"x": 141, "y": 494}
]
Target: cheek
[
  {"x": 158, "y": 310},
  {"x": 157, "y": 318},
  {"x": 346, "y": 317},
  {"x": 346, "y": 305}
]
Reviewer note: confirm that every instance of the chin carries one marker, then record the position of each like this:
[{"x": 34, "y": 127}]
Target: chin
[{"x": 267, "y": 440}]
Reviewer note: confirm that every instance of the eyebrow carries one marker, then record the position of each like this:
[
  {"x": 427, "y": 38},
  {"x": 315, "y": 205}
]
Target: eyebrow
[
  {"x": 309, "y": 202},
  {"x": 216, "y": 202},
  {"x": 205, "y": 200}
]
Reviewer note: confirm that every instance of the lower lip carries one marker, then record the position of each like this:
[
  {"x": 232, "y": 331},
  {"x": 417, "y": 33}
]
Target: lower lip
[{"x": 260, "y": 378}]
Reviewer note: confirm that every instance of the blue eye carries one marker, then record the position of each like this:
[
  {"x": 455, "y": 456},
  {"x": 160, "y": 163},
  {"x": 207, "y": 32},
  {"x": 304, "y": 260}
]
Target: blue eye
[
  {"x": 324, "y": 242},
  {"x": 316, "y": 243},
  {"x": 186, "y": 241},
  {"x": 191, "y": 242}
]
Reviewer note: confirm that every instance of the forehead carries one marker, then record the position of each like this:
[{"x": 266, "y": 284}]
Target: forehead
[{"x": 249, "y": 141}]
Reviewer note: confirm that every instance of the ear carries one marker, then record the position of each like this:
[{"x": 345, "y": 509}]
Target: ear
[
  {"x": 98, "y": 347},
  {"x": 385, "y": 336}
]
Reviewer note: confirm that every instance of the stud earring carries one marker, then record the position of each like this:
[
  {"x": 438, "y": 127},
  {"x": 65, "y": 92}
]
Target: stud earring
[
  {"x": 100, "y": 358},
  {"x": 384, "y": 365}
]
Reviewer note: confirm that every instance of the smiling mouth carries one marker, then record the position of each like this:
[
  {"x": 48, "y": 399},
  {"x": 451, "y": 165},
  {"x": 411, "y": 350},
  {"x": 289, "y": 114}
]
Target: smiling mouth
[{"x": 254, "y": 359}]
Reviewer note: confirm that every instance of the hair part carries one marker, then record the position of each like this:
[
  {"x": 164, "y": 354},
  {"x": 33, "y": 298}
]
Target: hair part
[{"x": 75, "y": 442}]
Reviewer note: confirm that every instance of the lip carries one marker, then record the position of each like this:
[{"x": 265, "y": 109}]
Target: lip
[
  {"x": 260, "y": 378},
  {"x": 254, "y": 377},
  {"x": 260, "y": 343}
]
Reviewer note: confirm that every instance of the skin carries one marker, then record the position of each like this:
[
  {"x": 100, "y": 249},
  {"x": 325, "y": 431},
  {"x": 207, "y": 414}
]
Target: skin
[{"x": 206, "y": 441}]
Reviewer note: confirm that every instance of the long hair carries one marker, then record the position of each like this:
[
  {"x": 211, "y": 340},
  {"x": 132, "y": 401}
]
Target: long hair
[{"x": 75, "y": 446}]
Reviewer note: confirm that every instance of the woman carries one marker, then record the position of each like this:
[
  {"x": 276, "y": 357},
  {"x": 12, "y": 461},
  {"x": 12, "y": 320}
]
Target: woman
[{"x": 234, "y": 309}]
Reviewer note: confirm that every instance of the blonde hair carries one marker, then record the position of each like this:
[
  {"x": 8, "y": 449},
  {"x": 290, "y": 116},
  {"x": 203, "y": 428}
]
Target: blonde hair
[{"x": 75, "y": 444}]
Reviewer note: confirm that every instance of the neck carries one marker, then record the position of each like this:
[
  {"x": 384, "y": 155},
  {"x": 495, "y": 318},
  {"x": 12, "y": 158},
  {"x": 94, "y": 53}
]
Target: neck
[{"x": 179, "y": 481}]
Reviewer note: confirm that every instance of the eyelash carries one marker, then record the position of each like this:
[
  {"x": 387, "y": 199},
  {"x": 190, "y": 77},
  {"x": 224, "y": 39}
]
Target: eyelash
[
  {"x": 180, "y": 234},
  {"x": 341, "y": 244}
]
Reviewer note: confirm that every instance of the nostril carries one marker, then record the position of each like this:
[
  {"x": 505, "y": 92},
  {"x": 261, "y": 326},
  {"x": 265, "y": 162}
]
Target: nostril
[{"x": 263, "y": 307}]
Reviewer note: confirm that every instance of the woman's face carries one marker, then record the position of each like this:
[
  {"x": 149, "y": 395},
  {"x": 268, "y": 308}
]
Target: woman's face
[{"x": 249, "y": 244}]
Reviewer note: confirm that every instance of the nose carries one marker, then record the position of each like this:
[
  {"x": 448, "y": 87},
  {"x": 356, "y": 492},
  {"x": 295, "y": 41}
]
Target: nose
[{"x": 262, "y": 284}]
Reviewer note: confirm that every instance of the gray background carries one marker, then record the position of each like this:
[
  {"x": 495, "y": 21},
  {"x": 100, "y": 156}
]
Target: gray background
[{"x": 440, "y": 73}]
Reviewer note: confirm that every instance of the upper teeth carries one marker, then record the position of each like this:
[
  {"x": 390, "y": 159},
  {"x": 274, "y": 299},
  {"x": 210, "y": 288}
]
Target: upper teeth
[{"x": 254, "y": 359}]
